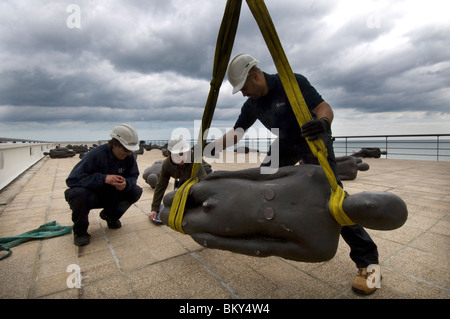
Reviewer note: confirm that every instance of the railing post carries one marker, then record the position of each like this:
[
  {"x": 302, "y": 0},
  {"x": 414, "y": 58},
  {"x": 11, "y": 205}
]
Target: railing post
[
  {"x": 437, "y": 148},
  {"x": 386, "y": 144},
  {"x": 346, "y": 141}
]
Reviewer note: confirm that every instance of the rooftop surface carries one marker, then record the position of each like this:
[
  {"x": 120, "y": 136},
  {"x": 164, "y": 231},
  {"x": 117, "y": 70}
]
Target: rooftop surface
[{"x": 144, "y": 260}]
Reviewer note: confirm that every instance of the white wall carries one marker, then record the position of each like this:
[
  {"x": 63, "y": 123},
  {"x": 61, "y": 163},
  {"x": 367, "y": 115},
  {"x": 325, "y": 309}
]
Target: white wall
[{"x": 17, "y": 158}]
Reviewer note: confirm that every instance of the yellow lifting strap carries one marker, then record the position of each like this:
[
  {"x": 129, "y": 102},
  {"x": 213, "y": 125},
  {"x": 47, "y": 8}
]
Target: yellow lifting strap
[
  {"x": 298, "y": 104},
  {"x": 222, "y": 55},
  {"x": 224, "y": 45}
]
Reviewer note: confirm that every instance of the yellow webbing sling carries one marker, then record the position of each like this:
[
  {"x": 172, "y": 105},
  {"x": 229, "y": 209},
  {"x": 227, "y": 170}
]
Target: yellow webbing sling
[
  {"x": 298, "y": 104},
  {"x": 224, "y": 46}
]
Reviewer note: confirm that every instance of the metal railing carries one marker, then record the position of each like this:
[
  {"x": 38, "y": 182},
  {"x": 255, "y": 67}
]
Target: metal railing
[
  {"x": 413, "y": 146},
  {"x": 19, "y": 140}
]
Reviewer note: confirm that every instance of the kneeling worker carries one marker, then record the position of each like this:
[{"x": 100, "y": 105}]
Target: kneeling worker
[
  {"x": 105, "y": 178},
  {"x": 179, "y": 166}
]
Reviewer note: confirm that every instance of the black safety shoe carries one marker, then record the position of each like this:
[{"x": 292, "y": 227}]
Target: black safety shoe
[
  {"x": 81, "y": 239},
  {"x": 112, "y": 224}
]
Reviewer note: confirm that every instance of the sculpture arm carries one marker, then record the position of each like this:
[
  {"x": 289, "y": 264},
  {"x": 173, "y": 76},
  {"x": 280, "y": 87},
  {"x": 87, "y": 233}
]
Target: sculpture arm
[{"x": 264, "y": 247}]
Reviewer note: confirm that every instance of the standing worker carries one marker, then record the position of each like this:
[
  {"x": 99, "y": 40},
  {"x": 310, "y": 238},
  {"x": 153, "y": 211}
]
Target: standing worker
[
  {"x": 105, "y": 178},
  {"x": 268, "y": 103}
]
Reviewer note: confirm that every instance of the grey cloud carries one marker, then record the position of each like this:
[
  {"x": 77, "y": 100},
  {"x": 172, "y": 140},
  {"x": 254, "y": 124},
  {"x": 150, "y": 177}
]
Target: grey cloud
[
  {"x": 179, "y": 39},
  {"x": 151, "y": 61}
]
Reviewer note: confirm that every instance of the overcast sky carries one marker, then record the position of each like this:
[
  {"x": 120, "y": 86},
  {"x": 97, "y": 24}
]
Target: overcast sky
[{"x": 72, "y": 70}]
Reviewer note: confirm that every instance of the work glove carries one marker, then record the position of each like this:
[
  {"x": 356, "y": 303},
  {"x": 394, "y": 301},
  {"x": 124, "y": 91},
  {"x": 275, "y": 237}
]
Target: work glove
[{"x": 315, "y": 129}]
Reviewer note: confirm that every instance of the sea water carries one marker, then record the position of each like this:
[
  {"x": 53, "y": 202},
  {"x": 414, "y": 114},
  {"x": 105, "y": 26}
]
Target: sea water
[{"x": 434, "y": 148}]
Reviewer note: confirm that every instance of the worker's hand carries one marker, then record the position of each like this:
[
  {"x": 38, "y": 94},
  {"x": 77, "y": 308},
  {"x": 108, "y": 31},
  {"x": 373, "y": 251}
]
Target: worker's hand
[
  {"x": 153, "y": 214},
  {"x": 315, "y": 129},
  {"x": 121, "y": 186},
  {"x": 114, "y": 179},
  {"x": 119, "y": 182}
]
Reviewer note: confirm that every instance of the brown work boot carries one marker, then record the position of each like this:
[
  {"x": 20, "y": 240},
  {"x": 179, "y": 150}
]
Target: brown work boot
[{"x": 367, "y": 281}]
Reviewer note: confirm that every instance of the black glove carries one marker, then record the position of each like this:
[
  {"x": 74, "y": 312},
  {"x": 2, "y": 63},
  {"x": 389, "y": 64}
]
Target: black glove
[{"x": 315, "y": 129}]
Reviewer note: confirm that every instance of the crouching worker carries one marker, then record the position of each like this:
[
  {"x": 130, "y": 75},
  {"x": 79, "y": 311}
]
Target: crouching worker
[
  {"x": 179, "y": 166},
  {"x": 105, "y": 178}
]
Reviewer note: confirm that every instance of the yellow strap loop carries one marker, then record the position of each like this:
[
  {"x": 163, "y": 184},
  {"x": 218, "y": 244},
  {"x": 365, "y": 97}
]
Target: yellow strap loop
[
  {"x": 178, "y": 204},
  {"x": 336, "y": 199}
]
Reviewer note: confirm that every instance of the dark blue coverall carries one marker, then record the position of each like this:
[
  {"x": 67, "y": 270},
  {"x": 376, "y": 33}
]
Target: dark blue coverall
[{"x": 88, "y": 190}]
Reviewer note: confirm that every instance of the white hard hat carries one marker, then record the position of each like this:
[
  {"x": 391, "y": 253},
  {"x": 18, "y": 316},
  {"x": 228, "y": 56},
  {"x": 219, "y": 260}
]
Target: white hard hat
[
  {"x": 178, "y": 145},
  {"x": 127, "y": 136},
  {"x": 238, "y": 68}
]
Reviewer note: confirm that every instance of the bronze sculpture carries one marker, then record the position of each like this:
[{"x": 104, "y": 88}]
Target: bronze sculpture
[{"x": 284, "y": 214}]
